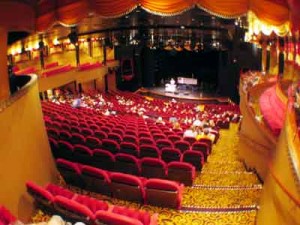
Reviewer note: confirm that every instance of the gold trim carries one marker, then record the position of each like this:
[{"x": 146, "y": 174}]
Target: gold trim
[
  {"x": 168, "y": 14},
  {"x": 119, "y": 15},
  {"x": 13, "y": 98}
]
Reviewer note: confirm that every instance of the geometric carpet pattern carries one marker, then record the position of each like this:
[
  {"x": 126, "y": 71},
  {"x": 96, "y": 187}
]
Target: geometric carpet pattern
[{"x": 224, "y": 193}]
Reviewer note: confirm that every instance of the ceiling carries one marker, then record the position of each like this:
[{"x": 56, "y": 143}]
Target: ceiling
[{"x": 194, "y": 25}]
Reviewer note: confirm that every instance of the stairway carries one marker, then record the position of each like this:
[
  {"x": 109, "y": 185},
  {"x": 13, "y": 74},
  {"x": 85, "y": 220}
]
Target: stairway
[{"x": 224, "y": 192}]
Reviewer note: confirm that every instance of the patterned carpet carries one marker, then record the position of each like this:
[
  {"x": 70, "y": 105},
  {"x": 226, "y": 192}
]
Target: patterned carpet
[{"x": 224, "y": 192}]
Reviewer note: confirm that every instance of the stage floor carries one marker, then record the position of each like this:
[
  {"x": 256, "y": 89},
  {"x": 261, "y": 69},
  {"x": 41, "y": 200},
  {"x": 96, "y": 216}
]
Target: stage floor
[{"x": 184, "y": 95}]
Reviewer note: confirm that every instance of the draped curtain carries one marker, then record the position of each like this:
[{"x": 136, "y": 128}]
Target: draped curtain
[
  {"x": 70, "y": 12},
  {"x": 225, "y": 8}
]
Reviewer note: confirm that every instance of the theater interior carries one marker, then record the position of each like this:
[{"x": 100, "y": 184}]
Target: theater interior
[{"x": 150, "y": 112}]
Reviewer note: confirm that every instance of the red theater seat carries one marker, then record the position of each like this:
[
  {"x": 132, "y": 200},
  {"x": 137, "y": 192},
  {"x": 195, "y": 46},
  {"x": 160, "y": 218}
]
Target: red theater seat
[
  {"x": 82, "y": 154},
  {"x": 162, "y": 143},
  {"x": 73, "y": 211},
  {"x": 182, "y": 172},
  {"x": 193, "y": 157},
  {"x": 103, "y": 159},
  {"x": 58, "y": 190},
  {"x": 182, "y": 145},
  {"x": 77, "y": 139},
  {"x": 147, "y": 150},
  {"x": 100, "y": 134},
  {"x": 70, "y": 172},
  {"x": 92, "y": 142},
  {"x": 147, "y": 141},
  {"x": 163, "y": 193},
  {"x": 96, "y": 180},
  {"x": 127, "y": 187},
  {"x": 129, "y": 148},
  {"x": 110, "y": 145},
  {"x": 110, "y": 218},
  {"x": 201, "y": 147},
  {"x": 170, "y": 154},
  {"x": 65, "y": 150},
  {"x": 43, "y": 197},
  {"x": 91, "y": 203},
  {"x": 142, "y": 216},
  {"x": 126, "y": 163},
  {"x": 152, "y": 167}
]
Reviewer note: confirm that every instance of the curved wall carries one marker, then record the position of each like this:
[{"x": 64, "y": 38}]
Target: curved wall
[
  {"x": 24, "y": 150},
  {"x": 256, "y": 141},
  {"x": 280, "y": 202}
]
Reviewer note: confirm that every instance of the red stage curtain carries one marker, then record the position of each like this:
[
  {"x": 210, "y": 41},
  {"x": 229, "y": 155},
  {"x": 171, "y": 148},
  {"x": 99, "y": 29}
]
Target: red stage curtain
[
  {"x": 225, "y": 8},
  {"x": 113, "y": 8},
  {"x": 72, "y": 12},
  {"x": 164, "y": 7},
  {"x": 270, "y": 12}
]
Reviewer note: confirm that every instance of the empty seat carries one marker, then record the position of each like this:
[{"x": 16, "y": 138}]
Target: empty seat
[
  {"x": 54, "y": 147},
  {"x": 42, "y": 197},
  {"x": 147, "y": 150},
  {"x": 163, "y": 193},
  {"x": 65, "y": 135},
  {"x": 127, "y": 164},
  {"x": 191, "y": 140},
  {"x": 110, "y": 218},
  {"x": 162, "y": 143},
  {"x": 100, "y": 134},
  {"x": 58, "y": 190},
  {"x": 53, "y": 132},
  {"x": 110, "y": 145},
  {"x": 92, "y": 142},
  {"x": 75, "y": 129},
  {"x": 86, "y": 132},
  {"x": 142, "y": 216},
  {"x": 152, "y": 167},
  {"x": 146, "y": 140},
  {"x": 129, "y": 148},
  {"x": 91, "y": 203},
  {"x": 96, "y": 180},
  {"x": 127, "y": 187},
  {"x": 70, "y": 172},
  {"x": 208, "y": 142},
  {"x": 131, "y": 132},
  {"x": 65, "y": 150},
  {"x": 130, "y": 138},
  {"x": 182, "y": 145},
  {"x": 145, "y": 134},
  {"x": 118, "y": 131},
  {"x": 114, "y": 136},
  {"x": 82, "y": 154},
  {"x": 170, "y": 154},
  {"x": 193, "y": 157},
  {"x": 77, "y": 139},
  {"x": 174, "y": 138},
  {"x": 201, "y": 147},
  {"x": 73, "y": 211},
  {"x": 181, "y": 172},
  {"x": 159, "y": 136},
  {"x": 103, "y": 159}
]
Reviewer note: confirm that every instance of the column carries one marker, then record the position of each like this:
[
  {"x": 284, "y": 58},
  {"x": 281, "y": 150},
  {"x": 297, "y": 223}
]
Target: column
[
  {"x": 104, "y": 52},
  {"x": 4, "y": 81},
  {"x": 264, "y": 46}
]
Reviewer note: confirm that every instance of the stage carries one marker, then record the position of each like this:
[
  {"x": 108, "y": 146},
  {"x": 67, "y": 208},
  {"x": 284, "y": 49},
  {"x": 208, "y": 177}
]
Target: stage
[{"x": 185, "y": 95}]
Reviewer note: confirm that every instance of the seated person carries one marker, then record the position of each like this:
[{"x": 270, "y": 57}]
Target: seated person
[
  {"x": 190, "y": 133},
  {"x": 76, "y": 102}
]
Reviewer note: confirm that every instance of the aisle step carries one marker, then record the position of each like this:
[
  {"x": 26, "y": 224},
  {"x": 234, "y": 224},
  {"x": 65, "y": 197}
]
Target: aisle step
[
  {"x": 226, "y": 179},
  {"x": 222, "y": 198}
]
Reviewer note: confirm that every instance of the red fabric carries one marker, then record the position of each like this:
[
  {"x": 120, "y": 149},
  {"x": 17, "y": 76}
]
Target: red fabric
[
  {"x": 95, "y": 172},
  {"x": 126, "y": 179},
  {"x": 6, "y": 217},
  {"x": 162, "y": 185}
]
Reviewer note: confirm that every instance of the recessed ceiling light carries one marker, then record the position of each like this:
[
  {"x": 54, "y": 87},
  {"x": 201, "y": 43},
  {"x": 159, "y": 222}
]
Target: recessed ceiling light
[{"x": 182, "y": 27}]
